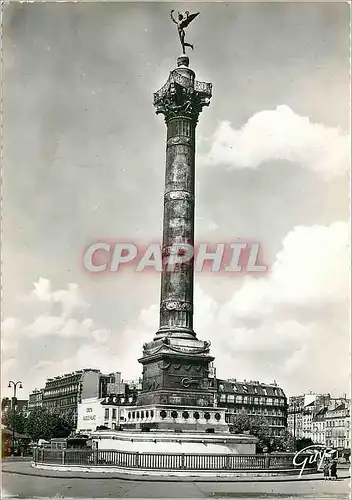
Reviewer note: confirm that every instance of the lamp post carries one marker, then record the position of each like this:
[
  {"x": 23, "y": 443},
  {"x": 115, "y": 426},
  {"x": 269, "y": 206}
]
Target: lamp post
[
  {"x": 294, "y": 425},
  {"x": 14, "y": 385}
]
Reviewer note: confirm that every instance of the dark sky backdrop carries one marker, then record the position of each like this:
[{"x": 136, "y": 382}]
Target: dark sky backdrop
[{"x": 84, "y": 160}]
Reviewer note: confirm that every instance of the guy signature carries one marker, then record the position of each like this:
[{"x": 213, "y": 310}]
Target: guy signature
[{"x": 317, "y": 454}]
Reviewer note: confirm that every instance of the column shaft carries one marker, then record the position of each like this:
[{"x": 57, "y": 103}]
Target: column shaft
[{"x": 176, "y": 307}]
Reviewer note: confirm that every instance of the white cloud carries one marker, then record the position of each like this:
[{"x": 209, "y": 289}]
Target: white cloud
[
  {"x": 281, "y": 324},
  {"x": 70, "y": 299},
  {"x": 311, "y": 269},
  {"x": 9, "y": 340},
  {"x": 42, "y": 290},
  {"x": 33, "y": 338},
  {"x": 281, "y": 134}
]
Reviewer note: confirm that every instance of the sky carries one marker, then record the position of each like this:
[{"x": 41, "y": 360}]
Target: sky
[{"x": 84, "y": 160}]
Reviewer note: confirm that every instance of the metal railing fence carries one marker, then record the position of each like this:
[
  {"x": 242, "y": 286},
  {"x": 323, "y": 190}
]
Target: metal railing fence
[{"x": 166, "y": 461}]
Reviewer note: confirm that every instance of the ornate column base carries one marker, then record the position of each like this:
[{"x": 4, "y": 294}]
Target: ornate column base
[{"x": 176, "y": 372}]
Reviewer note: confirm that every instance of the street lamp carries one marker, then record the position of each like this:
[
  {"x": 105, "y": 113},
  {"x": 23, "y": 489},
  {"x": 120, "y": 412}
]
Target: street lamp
[
  {"x": 14, "y": 385},
  {"x": 294, "y": 406},
  {"x": 294, "y": 422}
]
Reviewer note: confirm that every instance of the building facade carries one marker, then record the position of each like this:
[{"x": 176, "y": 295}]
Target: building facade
[
  {"x": 323, "y": 419},
  {"x": 108, "y": 411},
  {"x": 64, "y": 393},
  {"x": 318, "y": 426},
  {"x": 338, "y": 427},
  {"x": 254, "y": 399},
  {"x": 35, "y": 399},
  {"x": 304, "y": 415},
  {"x": 92, "y": 414}
]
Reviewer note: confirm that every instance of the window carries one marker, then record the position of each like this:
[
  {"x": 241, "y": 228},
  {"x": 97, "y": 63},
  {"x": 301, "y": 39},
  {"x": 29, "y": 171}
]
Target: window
[
  {"x": 142, "y": 414},
  {"x": 106, "y": 414},
  {"x": 147, "y": 414},
  {"x": 239, "y": 399},
  {"x": 223, "y": 398},
  {"x": 114, "y": 414},
  {"x": 152, "y": 413},
  {"x": 230, "y": 398}
]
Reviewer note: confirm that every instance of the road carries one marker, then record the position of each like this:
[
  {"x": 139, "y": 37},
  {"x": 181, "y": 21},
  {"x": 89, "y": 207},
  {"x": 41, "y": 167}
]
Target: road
[{"x": 27, "y": 486}]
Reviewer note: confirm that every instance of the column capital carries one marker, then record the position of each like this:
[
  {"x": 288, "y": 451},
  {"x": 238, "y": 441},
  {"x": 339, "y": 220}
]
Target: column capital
[{"x": 182, "y": 95}]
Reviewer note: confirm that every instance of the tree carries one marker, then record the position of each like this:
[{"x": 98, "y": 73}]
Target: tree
[
  {"x": 303, "y": 443},
  {"x": 43, "y": 424},
  {"x": 63, "y": 425},
  {"x": 10, "y": 420},
  {"x": 39, "y": 424},
  {"x": 5, "y": 404},
  {"x": 284, "y": 442},
  {"x": 257, "y": 426},
  {"x": 15, "y": 422}
]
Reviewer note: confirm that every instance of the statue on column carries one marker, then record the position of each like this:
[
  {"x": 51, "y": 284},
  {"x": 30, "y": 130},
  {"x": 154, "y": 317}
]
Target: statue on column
[{"x": 183, "y": 20}]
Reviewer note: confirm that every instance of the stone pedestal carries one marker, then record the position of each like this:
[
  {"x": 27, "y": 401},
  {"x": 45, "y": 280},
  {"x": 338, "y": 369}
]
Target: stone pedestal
[
  {"x": 173, "y": 418},
  {"x": 171, "y": 443},
  {"x": 176, "y": 372}
]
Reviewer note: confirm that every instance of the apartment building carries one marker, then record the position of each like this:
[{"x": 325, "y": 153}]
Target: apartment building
[
  {"x": 254, "y": 398},
  {"x": 301, "y": 414},
  {"x": 63, "y": 393},
  {"x": 318, "y": 426},
  {"x": 338, "y": 426},
  {"x": 323, "y": 419},
  {"x": 35, "y": 399}
]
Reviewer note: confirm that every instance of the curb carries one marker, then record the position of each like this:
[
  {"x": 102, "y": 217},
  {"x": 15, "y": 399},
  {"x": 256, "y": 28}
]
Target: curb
[{"x": 190, "y": 479}]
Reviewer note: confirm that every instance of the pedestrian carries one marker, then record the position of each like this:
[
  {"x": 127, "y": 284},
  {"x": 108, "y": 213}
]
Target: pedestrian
[
  {"x": 333, "y": 469},
  {"x": 326, "y": 470}
]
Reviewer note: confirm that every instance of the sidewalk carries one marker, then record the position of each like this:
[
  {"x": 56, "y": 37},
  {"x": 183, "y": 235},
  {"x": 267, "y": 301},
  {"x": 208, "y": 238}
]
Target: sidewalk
[{"x": 24, "y": 468}]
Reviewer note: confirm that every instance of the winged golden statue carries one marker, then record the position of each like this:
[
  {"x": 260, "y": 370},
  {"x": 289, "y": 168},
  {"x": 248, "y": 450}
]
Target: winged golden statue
[{"x": 183, "y": 20}]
